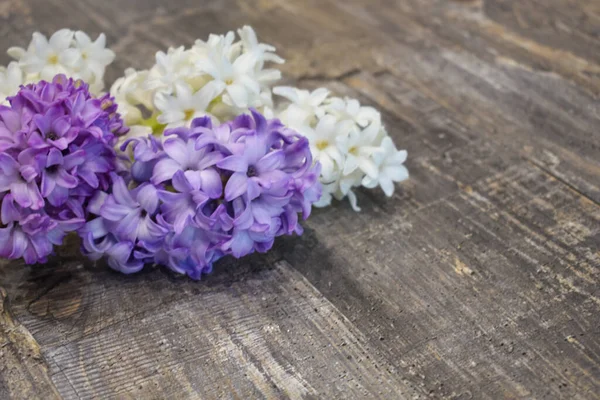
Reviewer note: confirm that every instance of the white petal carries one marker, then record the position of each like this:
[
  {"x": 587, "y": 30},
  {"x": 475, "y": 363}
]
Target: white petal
[
  {"x": 396, "y": 173},
  {"x": 70, "y": 57},
  {"x": 350, "y": 164},
  {"x": 238, "y": 95},
  {"x": 368, "y": 167},
  {"x": 387, "y": 185},
  {"x": 288, "y": 92},
  {"x": 16, "y": 52},
  {"x": 325, "y": 199},
  {"x": 326, "y": 168},
  {"x": 318, "y": 96},
  {"x": 270, "y": 75},
  {"x": 183, "y": 91},
  {"x": 250, "y": 83},
  {"x": 353, "y": 201},
  {"x": 100, "y": 42},
  {"x": 398, "y": 158},
  {"x": 335, "y": 155},
  {"x": 61, "y": 39},
  {"x": 207, "y": 94},
  {"x": 82, "y": 38},
  {"x": 172, "y": 117},
  {"x": 369, "y": 182}
]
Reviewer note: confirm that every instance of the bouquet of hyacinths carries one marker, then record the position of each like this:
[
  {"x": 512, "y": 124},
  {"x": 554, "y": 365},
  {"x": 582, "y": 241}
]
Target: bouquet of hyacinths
[{"x": 181, "y": 164}]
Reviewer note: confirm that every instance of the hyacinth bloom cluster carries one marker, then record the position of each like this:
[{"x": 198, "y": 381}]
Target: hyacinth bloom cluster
[
  {"x": 67, "y": 52},
  {"x": 348, "y": 140},
  {"x": 221, "y": 78},
  {"x": 204, "y": 169},
  {"x": 56, "y": 151},
  {"x": 204, "y": 192}
]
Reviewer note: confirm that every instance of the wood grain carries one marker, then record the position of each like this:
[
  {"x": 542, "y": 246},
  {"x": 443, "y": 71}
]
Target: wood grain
[{"x": 477, "y": 280}]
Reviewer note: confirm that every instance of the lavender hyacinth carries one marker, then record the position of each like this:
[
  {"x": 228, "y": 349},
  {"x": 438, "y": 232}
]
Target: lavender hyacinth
[
  {"x": 56, "y": 151},
  {"x": 202, "y": 194}
]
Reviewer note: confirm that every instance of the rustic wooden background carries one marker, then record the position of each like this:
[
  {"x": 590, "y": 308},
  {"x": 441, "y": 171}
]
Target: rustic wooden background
[{"x": 477, "y": 280}]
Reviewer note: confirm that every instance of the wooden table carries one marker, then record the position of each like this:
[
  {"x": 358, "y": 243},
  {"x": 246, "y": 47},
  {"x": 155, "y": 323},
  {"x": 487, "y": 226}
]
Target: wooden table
[{"x": 478, "y": 279}]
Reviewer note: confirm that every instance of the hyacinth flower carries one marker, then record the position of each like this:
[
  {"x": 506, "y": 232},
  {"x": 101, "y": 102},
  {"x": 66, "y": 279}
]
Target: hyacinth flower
[
  {"x": 203, "y": 193},
  {"x": 72, "y": 53},
  {"x": 221, "y": 78},
  {"x": 348, "y": 139},
  {"x": 56, "y": 151}
]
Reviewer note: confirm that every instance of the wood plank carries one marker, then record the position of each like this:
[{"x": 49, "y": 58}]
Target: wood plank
[
  {"x": 265, "y": 334},
  {"x": 23, "y": 371},
  {"x": 490, "y": 288}
]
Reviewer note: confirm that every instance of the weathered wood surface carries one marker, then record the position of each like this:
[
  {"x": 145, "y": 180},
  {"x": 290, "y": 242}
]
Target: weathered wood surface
[{"x": 478, "y": 279}]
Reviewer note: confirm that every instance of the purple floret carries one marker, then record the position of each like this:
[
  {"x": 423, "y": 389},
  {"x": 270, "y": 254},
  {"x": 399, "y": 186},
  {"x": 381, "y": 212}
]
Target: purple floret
[{"x": 203, "y": 193}]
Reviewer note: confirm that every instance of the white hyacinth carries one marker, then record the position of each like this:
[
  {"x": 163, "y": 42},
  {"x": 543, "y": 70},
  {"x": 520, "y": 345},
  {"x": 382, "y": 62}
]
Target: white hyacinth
[
  {"x": 67, "y": 52},
  {"x": 220, "y": 78},
  {"x": 348, "y": 140}
]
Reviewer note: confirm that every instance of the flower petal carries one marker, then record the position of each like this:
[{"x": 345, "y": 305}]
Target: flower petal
[
  {"x": 236, "y": 186},
  {"x": 147, "y": 196},
  {"x": 164, "y": 170},
  {"x": 233, "y": 163},
  {"x": 270, "y": 161}
]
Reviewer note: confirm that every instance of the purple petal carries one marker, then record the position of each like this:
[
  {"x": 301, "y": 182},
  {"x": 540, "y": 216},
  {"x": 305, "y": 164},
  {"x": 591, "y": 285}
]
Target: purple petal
[
  {"x": 236, "y": 186},
  {"x": 180, "y": 182},
  {"x": 270, "y": 161},
  {"x": 73, "y": 159},
  {"x": 89, "y": 177},
  {"x": 176, "y": 149},
  {"x": 64, "y": 179},
  {"x": 244, "y": 220},
  {"x": 11, "y": 119},
  {"x": 19, "y": 244},
  {"x": 114, "y": 212},
  {"x": 61, "y": 126},
  {"x": 96, "y": 228},
  {"x": 121, "y": 193},
  {"x": 9, "y": 212},
  {"x": 96, "y": 202},
  {"x": 27, "y": 195},
  {"x": 211, "y": 183},
  {"x": 28, "y": 172},
  {"x": 55, "y": 157},
  {"x": 254, "y": 189},
  {"x": 128, "y": 226},
  {"x": 48, "y": 183},
  {"x": 259, "y": 119},
  {"x": 255, "y": 149},
  {"x": 241, "y": 244},
  {"x": 181, "y": 221},
  {"x": 42, "y": 123},
  {"x": 164, "y": 170},
  {"x": 210, "y": 159},
  {"x": 233, "y": 163},
  {"x": 194, "y": 178},
  {"x": 147, "y": 196},
  {"x": 8, "y": 164},
  {"x": 59, "y": 196},
  {"x": 41, "y": 245}
]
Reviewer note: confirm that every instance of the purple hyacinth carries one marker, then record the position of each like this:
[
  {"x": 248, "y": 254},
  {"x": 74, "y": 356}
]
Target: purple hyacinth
[
  {"x": 56, "y": 151},
  {"x": 203, "y": 193}
]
